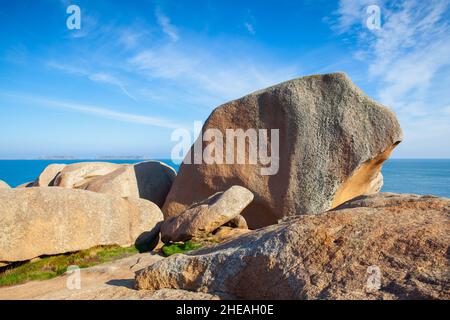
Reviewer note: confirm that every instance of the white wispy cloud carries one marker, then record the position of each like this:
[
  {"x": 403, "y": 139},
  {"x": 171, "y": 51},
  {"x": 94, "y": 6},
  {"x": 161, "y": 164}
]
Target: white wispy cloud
[
  {"x": 98, "y": 111},
  {"x": 407, "y": 61},
  {"x": 198, "y": 72},
  {"x": 130, "y": 38},
  {"x": 209, "y": 73},
  {"x": 250, "y": 28},
  {"x": 413, "y": 45},
  {"x": 352, "y": 13},
  {"x": 405, "y": 56},
  {"x": 159, "y": 68},
  {"x": 167, "y": 27},
  {"x": 100, "y": 77}
]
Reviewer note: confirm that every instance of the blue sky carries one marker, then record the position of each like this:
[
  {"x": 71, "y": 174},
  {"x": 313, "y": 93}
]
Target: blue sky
[{"x": 136, "y": 70}]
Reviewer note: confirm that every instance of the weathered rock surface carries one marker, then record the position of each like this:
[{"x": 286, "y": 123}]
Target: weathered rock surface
[
  {"x": 50, "y": 220},
  {"x": 147, "y": 180},
  {"x": 4, "y": 185},
  {"x": 114, "y": 280},
  {"x": 333, "y": 141},
  {"x": 204, "y": 217},
  {"x": 78, "y": 174},
  {"x": 332, "y": 255},
  {"x": 47, "y": 177}
]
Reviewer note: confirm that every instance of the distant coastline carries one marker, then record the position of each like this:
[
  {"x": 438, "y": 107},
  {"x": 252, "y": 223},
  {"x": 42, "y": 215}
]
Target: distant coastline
[
  {"x": 72, "y": 158},
  {"x": 109, "y": 158},
  {"x": 418, "y": 176}
]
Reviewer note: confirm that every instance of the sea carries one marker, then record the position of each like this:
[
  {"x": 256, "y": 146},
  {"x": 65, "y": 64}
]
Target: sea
[{"x": 418, "y": 176}]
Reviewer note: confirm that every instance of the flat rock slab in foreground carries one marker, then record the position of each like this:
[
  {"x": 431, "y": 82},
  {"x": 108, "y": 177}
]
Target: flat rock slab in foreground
[
  {"x": 114, "y": 280},
  {"x": 51, "y": 220},
  {"x": 333, "y": 140},
  {"x": 334, "y": 255}
]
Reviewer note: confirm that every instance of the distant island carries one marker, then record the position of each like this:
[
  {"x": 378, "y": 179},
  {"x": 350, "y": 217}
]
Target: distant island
[
  {"x": 122, "y": 158},
  {"x": 56, "y": 158}
]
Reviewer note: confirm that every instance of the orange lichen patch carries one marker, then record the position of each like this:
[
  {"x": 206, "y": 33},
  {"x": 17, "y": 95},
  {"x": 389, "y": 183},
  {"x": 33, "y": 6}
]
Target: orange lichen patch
[{"x": 360, "y": 182}]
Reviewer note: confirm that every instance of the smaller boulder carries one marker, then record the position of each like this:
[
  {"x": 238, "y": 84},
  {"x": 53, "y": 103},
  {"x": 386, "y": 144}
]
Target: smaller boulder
[
  {"x": 51, "y": 220},
  {"x": 149, "y": 180},
  {"x": 4, "y": 185},
  {"x": 205, "y": 217},
  {"x": 76, "y": 175},
  {"x": 47, "y": 177}
]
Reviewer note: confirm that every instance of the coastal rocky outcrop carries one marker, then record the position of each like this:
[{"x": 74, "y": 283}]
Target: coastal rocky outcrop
[
  {"x": 4, "y": 185},
  {"x": 78, "y": 174},
  {"x": 383, "y": 246},
  {"x": 149, "y": 180},
  {"x": 47, "y": 177},
  {"x": 333, "y": 140},
  {"x": 51, "y": 220},
  {"x": 204, "y": 217}
]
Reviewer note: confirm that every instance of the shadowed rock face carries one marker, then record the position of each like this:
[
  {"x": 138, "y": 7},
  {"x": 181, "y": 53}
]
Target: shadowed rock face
[
  {"x": 149, "y": 180},
  {"x": 51, "y": 220},
  {"x": 332, "y": 255},
  {"x": 333, "y": 141},
  {"x": 47, "y": 177},
  {"x": 25, "y": 185}
]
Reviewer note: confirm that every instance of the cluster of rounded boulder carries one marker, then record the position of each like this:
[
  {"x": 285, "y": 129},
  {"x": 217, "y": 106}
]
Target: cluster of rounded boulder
[{"x": 311, "y": 231}]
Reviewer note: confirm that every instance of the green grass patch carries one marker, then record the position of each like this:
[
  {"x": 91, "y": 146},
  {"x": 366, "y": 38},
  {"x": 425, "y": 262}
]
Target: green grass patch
[
  {"x": 170, "y": 249},
  {"x": 52, "y": 266}
]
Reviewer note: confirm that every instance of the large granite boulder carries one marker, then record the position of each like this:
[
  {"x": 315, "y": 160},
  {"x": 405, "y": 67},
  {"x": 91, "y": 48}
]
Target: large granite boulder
[
  {"x": 47, "y": 177},
  {"x": 147, "y": 180},
  {"x": 333, "y": 140},
  {"x": 46, "y": 221},
  {"x": 384, "y": 246},
  {"x": 78, "y": 174},
  {"x": 205, "y": 217},
  {"x": 4, "y": 185}
]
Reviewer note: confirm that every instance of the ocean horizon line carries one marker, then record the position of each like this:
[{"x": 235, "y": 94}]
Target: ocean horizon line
[{"x": 151, "y": 158}]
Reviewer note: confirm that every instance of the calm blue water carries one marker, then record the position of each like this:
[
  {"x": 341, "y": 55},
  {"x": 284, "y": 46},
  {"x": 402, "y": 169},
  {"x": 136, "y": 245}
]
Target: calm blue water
[
  {"x": 17, "y": 172},
  {"x": 400, "y": 175},
  {"x": 429, "y": 176}
]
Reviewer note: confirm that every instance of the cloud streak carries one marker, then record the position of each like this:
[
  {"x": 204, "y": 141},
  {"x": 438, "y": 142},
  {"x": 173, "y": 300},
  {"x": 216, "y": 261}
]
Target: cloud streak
[
  {"x": 208, "y": 73},
  {"x": 405, "y": 56},
  {"x": 100, "y": 77},
  {"x": 407, "y": 63},
  {"x": 167, "y": 27},
  {"x": 95, "y": 110}
]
